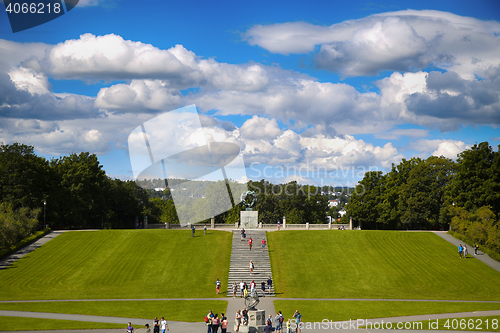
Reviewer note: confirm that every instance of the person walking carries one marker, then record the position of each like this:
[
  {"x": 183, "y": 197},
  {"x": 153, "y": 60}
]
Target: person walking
[
  {"x": 205, "y": 229},
  {"x": 278, "y": 225},
  {"x": 252, "y": 288},
  {"x": 289, "y": 326},
  {"x": 475, "y": 249},
  {"x": 269, "y": 284},
  {"x": 130, "y": 329},
  {"x": 156, "y": 325},
  {"x": 460, "y": 250},
  {"x": 250, "y": 243},
  {"x": 192, "y": 230},
  {"x": 242, "y": 288},
  {"x": 465, "y": 251},
  {"x": 263, "y": 244},
  {"x": 281, "y": 321},
  {"x": 163, "y": 325},
  {"x": 217, "y": 286},
  {"x": 263, "y": 287},
  {"x": 234, "y": 287},
  {"x": 251, "y": 266},
  {"x": 238, "y": 320}
]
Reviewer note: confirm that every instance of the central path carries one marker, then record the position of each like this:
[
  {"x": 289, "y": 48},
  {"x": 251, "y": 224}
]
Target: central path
[{"x": 240, "y": 260}]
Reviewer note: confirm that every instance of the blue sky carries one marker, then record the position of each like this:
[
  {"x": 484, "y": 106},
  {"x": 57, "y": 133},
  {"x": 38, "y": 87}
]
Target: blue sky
[{"x": 308, "y": 90}]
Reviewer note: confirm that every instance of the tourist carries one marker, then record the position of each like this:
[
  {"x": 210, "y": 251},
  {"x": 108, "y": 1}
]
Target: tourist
[
  {"x": 156, "y": 325},
  {"x": 205, "y": 229},
  {"x": 224, "y": 325},
  {"x": 243, "y": 234},
  {"x": 217, "y": 286},
  {"x": 163, "y": 325},
  {"x": 298, "y": 317},
  {"x": 460, "y": 250},
  {"x": 263, "y": 287},
  {"x": 192, "y": 230},
  {"x": 244, "y": 314},
  {"x": 269, "y": 321},
  {"x": 235, "y": 287},
  {"x": 269, "y": 284},
  {"x": 252, "y": 288},
  {"x": 268, "y": 329},
  {"x": 289, "y": 326},
  {"x": 245, "y": 290},
  {"x": 281, "y": 321},
  {"x": 130, "y": 329},
  {"x": 278, "y": 225},
  {"x": 251, "y": 266},
  {"x": 242, "y": 288},
  {"x": 277, "y": 319},
  {"x": 465, "y": 251},
  {"x": 250, "y": 243},
  {"x": 148, "y": 330},
  {"x": 475, "y": 249},
  {"x": 263, "y": 245},
  {"x": 208, "y": 321},
  {"x": 238, "y": 320},
  {"x": 215, "y": 323}
]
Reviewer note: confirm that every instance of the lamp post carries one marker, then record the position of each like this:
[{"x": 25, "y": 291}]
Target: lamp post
[{"x": 44, "y": 209}]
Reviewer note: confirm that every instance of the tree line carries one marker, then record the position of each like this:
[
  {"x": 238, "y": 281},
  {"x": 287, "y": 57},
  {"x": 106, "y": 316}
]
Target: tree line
[{"x": 435, "y": 193}]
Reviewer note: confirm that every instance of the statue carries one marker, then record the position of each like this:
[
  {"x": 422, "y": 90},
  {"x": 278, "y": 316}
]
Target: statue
[
  {"x": 251, "y": 301},
  {"x": 248, "y": 199}
]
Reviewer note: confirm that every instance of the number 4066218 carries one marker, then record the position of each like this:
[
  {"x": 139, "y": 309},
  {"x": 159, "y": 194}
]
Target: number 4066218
[
  {"x": 33, "y": 8},
  {"x": 471, "y": 324}
]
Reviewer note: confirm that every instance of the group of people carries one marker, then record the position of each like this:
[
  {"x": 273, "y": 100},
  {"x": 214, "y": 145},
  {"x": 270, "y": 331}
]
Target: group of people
[
  {"x": 158, "y": 326},
  {"x": 462, "y": 250},
  {"x": 276, "y": 322},
  {"x": 243, "y": 288},
  {"x": 215, "y": 321}
]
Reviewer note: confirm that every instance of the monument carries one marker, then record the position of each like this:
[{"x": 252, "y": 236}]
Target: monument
[
  {"x": 249, "y": 218},
  {"x": 256, "y": 318}
]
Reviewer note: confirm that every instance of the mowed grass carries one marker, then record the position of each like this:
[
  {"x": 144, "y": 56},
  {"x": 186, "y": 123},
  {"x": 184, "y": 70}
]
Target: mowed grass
[
  {"x": 376, "y": 264},
  {"x": 317, "y": 311},
  {"x": 23, "y": 324},
  {"x": 177, "y": 310},
  {"x": 120, "y": 264}
]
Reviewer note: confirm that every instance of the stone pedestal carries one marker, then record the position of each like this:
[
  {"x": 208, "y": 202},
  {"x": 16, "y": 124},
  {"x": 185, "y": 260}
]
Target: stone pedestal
[
  {"x": 256, "y": 322},
  {"x": 249, "y": 219}
]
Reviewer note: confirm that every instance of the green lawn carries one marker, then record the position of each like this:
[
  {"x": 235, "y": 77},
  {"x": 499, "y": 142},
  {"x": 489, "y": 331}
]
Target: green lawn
[
  {"x": 188, "y": 311},
  {"x": 376, "y": 264},
  {"x": 32, "y": 324},
  {"x": 316, "y": 311},
  {"x": 121, "y": 264}
]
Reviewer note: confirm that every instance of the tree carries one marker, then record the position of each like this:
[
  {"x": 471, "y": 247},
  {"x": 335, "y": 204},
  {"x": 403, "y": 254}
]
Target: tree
[
  {"x": 16, "y": 224},
  {"x": 477, "y": 181},
  {"x": 25, "y": 179},
  {"x": 364, "y": 206},
  {"x": 84, "y": 186},
  {"x": 422, "y": 196}
]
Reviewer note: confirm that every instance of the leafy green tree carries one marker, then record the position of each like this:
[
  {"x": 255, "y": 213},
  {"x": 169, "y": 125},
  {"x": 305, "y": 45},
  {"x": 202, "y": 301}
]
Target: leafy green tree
[
  {"x": 422, "y": 196},
  {"x": 366, "y": 199},
  {"x": 83, "y": 185},
  {"x": 25, "y": 179},
  {"x": 16, "y": 224},
  {"x": 477, "y": 181}
]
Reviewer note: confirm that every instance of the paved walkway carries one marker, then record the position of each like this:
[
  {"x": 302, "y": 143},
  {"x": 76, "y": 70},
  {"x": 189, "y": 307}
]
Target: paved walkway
[
  {"x": 27, "y": 249},
  {"x": 480, "y": 255}
]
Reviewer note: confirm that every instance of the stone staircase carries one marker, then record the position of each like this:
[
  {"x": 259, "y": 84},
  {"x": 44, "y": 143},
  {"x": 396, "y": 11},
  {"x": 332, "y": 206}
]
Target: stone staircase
[{"x": 240, "y": 259}]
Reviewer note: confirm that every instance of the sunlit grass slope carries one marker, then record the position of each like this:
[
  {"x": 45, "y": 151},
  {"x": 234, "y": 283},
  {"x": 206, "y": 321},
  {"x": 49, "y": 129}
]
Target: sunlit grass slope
[
  {"x": 111, "y": 264},
  {"x": 376, "y": 264}
]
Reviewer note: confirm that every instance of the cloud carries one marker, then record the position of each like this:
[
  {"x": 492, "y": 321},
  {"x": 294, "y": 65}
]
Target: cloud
[
  {"x": 260, "y": 128},
  {"x": 139, "y": 95},
  {"x": 407, "y": 40},
  {"x": 446, "y": 148}
]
